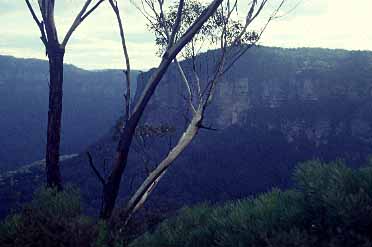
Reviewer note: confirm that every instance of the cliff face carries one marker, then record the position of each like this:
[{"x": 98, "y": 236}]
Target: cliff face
[
  {"x": 274, "y": 109},
  {"x": 315, "y": 93}
]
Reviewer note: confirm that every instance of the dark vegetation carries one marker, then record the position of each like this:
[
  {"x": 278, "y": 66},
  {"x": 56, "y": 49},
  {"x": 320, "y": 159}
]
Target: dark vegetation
[{"x": 330, "y": 205}]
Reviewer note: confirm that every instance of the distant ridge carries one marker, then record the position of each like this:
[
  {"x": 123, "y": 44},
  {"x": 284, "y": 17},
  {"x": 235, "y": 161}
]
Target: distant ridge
[{"x": 92, "y": 103}]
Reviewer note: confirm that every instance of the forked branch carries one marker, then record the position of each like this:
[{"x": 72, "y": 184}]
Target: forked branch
[
  {"x": 83, "y": 14},
  {"x": 40, "y": 24}
]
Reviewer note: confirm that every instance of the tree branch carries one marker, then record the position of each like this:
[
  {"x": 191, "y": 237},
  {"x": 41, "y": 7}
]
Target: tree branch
[
  {"x": 99, "y": 176},
  {"x": 187, "y": 84},
  {"x": 142, "y": 193},
  {"x": 177, "y": 24},
  {"x": 248, "y": 46},
  {"x": 91, "y": 10},
  {"x": 40, "y": 24},
  {"x": 78, "y": 20},
  {"x": 201, "y": 126},
  {"x": 170, "y": 55},
  {"x": 127, "y": 95}
]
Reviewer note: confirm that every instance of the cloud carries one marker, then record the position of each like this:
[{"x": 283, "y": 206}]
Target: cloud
[
  {"x": 96, "y": 43},
  {"x": 324, "y": 23}
]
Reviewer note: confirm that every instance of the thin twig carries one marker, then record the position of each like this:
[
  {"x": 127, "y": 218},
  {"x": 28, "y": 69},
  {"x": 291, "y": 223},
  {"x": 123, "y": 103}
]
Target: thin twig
[
  {"x": 91, "y": 10},
  {"x": 40, "y": 24},
  {"x": 187, "y": 84},
  {"x": 99, "y": 176},
  {"x": 248, "y": 46},
  {"x": 78, "y": 20},
  {"x": 177, "y": 23},
  {"x": 201, "y": 126},
  {"x": 127, "y": 95}
]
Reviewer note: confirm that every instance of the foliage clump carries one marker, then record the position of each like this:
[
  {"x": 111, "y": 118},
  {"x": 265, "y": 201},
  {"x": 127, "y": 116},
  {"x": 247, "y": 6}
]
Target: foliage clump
[
  {"x": 55, "y": 219},
  {"x": 51, "y": 219},
  {"x": 331, "y": 205}
]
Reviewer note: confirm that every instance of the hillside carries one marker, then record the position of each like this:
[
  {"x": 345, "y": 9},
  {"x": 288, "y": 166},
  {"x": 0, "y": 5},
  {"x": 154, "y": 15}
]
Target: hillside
[
  {"x": 92, "y": 102},
  {"x": 275, "y": 108}
]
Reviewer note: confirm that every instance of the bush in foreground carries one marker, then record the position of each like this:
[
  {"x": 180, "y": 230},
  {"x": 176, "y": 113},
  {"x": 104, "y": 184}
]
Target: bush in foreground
[
  {"x": 51, "y": 219},
  {"x": 55, "y": 219},
  {"x": 331, "y": 205}
]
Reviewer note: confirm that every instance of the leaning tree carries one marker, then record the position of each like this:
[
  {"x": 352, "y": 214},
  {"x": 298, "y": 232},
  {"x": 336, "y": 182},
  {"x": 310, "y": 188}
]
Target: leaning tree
[
  {"x": 179, "y": 30},
  {"x": 55, "y": 50}
]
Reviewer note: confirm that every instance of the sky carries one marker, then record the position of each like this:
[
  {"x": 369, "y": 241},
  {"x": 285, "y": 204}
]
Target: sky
[{"x": 96, "y": 43}]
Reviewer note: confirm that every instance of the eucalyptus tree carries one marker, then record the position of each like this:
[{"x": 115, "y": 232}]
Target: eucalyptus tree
[
  {"x": 232, "y": 38},
  {"x": 178, "y": 30},
  {"x": 55, "y": 51}
]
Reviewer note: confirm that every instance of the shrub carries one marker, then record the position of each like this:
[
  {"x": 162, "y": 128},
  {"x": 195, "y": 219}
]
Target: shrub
[
  {"x": 331, "y": 205},
  {"x": 50, "y": 219},
  {"x": 338, "y": 202},
  {"x": 55, "y": 219}
]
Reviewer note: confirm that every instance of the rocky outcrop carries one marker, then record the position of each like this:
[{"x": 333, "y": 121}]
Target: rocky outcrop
[{"x": 313, "y": 92}]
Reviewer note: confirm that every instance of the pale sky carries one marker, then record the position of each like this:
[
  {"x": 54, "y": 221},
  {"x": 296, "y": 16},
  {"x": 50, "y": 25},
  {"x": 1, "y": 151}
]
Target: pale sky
[{"x": 96, "y": 44}]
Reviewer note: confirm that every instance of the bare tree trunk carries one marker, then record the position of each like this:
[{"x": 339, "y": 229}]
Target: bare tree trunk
[
  {"x": 56, "y": 55},
  {"x": 143, "y": 192},
  {"x": 55, "y": 52},
  {"x": 111, "y": 188}
]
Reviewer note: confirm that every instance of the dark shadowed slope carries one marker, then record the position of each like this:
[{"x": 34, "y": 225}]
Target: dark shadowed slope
[{"x": 92, "y": 102}]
